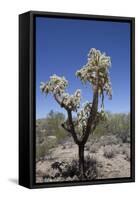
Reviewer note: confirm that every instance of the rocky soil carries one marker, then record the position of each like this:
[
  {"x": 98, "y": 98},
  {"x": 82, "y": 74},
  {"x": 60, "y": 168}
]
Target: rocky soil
[{"x": 105, "y": 160}]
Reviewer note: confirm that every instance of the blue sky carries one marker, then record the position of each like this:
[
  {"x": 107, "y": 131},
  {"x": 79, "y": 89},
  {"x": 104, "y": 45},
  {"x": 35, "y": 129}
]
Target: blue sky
[{"x": 62, "y": 46}]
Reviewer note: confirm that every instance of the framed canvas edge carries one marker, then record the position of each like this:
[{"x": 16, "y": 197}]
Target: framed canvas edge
[{"x": 32, "y": 105}]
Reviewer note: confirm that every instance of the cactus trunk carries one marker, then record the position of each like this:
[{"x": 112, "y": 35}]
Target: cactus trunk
[{"x": 81, "y": 161}]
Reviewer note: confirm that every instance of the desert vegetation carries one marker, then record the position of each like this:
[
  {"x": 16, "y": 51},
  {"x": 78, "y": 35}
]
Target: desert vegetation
[
  {"x": 98, "y": 135},
  {"x": 107, "y": 152}
]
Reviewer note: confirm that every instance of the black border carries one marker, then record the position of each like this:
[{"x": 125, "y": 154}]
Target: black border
[{"x": 32, "y": 99}]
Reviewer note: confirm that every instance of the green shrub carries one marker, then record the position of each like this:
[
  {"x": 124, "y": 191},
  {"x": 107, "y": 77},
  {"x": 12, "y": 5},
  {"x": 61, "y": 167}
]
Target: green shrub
[
  {"x": 41, "y": 151},
  {"x": 54, "y": 121},
  {"x": 116, "y": 124}
]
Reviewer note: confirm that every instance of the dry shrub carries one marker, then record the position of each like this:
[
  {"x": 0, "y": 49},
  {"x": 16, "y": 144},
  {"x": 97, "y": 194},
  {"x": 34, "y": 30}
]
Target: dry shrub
[
  {"x": 109, "y": 140},
  {"x": 69, "y": 171},
  {"x": 94, "y": 148},
  {"x": 109, "y": 152},
  {"x": 126, "y": 152}
]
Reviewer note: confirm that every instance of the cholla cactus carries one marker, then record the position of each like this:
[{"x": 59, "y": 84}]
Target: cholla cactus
[
  {"x": 72, "y": 102},
  {"x": 97, "y": 66},
  {"x": 95, "y": 72},
  {"x": 82, "y": 116},
  {"x": 56, "y": 85}
]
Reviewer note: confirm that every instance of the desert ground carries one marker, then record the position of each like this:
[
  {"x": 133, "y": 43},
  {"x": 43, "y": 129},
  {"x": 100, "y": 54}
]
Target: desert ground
[{"x": 107, "y": 157}]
